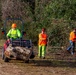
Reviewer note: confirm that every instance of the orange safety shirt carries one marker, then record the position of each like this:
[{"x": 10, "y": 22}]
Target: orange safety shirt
[
  {"x": 42, "y": 39},
  {"x": 72, "y": 36}
]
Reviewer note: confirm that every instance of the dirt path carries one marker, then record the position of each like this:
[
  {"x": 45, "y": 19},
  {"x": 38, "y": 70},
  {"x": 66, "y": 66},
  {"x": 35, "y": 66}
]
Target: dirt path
[
  {"x": 42, "y": 68},
  {"x": 38, "y": 67}
]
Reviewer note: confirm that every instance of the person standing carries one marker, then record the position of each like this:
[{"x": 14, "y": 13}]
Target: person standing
[
  {"x": 72, "y": 40},
  {"x": 42, "y": 43}
]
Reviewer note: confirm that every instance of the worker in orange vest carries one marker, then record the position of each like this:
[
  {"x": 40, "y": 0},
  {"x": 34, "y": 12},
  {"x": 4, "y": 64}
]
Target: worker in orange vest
[
  {"x": 42, "y": 43},
  {"x": 72, "y": 40}
]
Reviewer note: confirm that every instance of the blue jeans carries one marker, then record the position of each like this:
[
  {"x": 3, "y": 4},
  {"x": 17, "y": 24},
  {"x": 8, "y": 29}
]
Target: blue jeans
[{"x": 72, "y": 46}]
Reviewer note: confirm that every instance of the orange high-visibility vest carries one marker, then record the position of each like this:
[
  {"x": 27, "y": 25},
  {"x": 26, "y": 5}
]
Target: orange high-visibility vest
[
  {"x": 72, "y": 36},
  {"x": 42, "y": 39}
]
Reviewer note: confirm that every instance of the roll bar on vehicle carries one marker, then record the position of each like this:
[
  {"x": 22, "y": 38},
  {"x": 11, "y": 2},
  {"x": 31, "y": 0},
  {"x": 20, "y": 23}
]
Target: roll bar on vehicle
[{"x": 3, "y": 29}]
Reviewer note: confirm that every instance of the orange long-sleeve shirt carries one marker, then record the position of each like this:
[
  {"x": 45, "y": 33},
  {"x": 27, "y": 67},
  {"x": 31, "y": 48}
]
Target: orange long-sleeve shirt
[
  {"x": 42, "y": 39},
  {"x": 72, "y": 36}
]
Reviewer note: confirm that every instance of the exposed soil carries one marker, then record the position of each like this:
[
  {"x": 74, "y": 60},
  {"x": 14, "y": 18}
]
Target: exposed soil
[{"x": 55, "y": 64}]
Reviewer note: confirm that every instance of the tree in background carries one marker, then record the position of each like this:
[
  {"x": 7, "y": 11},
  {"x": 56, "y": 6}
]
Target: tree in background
[
  {"x": 61, "y": 9},
  {"x": 15, "y": 9},
  {"x": 55, "y": 15},
  {"x": 11, "y": 8},
  {"x": 58, "y": 16}
]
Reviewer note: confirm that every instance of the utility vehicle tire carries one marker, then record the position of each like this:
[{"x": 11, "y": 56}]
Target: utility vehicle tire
[
  {"x": 6, "y": 59},
  {"x": 26, "y": 61}
]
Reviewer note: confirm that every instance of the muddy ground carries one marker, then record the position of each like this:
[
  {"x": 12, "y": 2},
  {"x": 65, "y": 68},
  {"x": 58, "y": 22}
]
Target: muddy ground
[{"x": 55, "y": 64}]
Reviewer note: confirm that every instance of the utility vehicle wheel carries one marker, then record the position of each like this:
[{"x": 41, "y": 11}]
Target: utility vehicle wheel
[
  {"x": 26, "y": 61},
  {"x": 6, "y": 59}
]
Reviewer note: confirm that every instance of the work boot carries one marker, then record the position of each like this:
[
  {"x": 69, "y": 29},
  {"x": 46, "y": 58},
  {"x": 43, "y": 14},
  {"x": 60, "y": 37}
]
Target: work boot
[
  {"x": 43, "y": 57},
  {"x": 72, "y": 53}
]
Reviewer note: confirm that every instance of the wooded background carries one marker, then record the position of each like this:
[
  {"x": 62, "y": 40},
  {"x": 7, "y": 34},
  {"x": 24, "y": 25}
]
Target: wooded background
[{"x": 57, "y": 16}]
